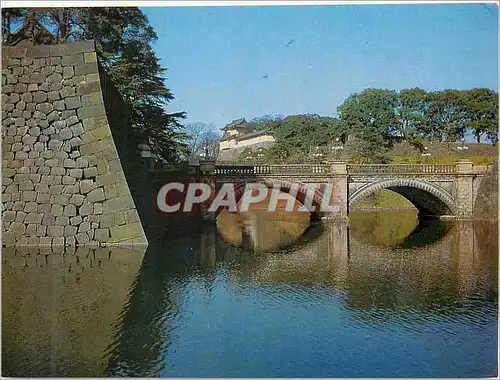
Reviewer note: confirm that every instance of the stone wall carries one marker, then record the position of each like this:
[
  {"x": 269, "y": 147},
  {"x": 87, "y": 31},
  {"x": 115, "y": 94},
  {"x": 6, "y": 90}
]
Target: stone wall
[
  {"x": 62, "y": 178},
  {"x": 486, "y": 202}
]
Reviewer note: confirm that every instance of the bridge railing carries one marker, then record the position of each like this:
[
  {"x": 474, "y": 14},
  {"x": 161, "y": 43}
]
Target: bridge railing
[
  {"x": 400, "y": 169},
  {"x": 305, "y": 169}
]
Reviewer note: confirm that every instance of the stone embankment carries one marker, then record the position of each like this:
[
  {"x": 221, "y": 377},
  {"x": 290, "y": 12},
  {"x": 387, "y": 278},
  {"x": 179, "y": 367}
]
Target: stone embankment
[{"x": 62, "y": 179}]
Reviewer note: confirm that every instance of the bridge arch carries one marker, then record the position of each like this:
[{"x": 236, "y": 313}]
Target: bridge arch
[
  {"x": 428, "y": 198},
  {"x": 287, "y": 187}
]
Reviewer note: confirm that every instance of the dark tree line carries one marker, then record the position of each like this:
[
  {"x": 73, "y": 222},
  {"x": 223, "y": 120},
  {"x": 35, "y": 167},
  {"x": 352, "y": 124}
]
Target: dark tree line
[{"x": 123, "y": 38}]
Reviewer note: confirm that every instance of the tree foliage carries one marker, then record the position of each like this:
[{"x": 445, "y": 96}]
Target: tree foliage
[{"x": 123, "y": 39}]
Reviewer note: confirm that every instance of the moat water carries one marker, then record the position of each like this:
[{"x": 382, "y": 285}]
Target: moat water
[{"x": 261, "y": 296}]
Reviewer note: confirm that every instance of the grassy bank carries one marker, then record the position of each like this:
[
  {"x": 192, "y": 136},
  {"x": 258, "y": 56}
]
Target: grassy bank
[{"x": 384, "y": 200}]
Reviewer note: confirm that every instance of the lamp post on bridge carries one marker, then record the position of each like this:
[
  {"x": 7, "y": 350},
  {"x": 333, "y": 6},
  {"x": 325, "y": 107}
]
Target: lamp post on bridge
[
  {"x": 462, "y": 148},
  {"x": 336, "y": 149},
  {"x": 426, "y": 154},
  {"x": 147, "y": 157},
  {"x": 317, "y": 154}
]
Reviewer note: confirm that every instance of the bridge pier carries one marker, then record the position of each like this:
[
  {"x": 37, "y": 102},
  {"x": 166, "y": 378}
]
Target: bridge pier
[
  {"x": 464, "y": 189},
  {"x": 340, "y": 191}
]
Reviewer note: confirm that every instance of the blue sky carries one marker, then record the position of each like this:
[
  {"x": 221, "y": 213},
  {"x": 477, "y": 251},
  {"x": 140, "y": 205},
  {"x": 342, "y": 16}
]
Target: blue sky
[{"x": 217, "y": 56}]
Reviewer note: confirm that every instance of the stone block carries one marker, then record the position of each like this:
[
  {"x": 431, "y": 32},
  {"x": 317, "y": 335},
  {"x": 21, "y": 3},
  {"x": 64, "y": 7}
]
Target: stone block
[
  {"x": 40, "y": 230},
  {"x": 67, "y": 180},
  {"x": 61, "y": 199},
  {"x": 89, "y": 78},
  {"x": 102, "y": 235},
  {"x": 44, "y": 208},
  {"x": 82, "y": 162},
  {"x": 17, "y": 228},
  {"x": 8, "y": 238},
  {"x": 57, "y": 210},
  {"x": 65, "y": 134},
  {"x": 119, "y": 218},
  {"x": 75, "y": 142},
  {"x": 70, "y": 230},
  {"x": 84, "y": 227},
  {"x": 60, "y": 105},
  {"x": 93, "y": 218},
  {"x": 68, "y": 72},
  {"x": 39, "y": 97},
  {"x": 92, "y": 99},
  {"x": 69, "y": 210},
  {"x": 31, "y": 207},
  {"x": 33, "y": 218},
  {"x": 8, "y": 216},
  {"x": 126, "y": 232},
  {"x": 45, "y": 241},
  {"x": 96, "y": 195},
  {"x": 71, "y": 189},
  {"x": 76, "y": 220},
  {"x": 20, "y": 88},
  {"x": 77, "y": 129},
  {"x": 53, "y": 95},
  {"x": 20, "y": 216},
  {"x": 37, "y": 51},
  {"x": 72, "y": 60},
  {"x": 118, "y": 204},
  {"x": 76, "y": 173},
  {"x": 31, "y": 230},
  {"x": 55, "y": 77},
  {"x": 55, "y": 189},
  {"x": 72, "y": 102},
  {"x": 45, "y": 108},
  {"x": 86, "y": 68},
  {"x": 72, "y": 120},
  {"x": 22, "y": 241},
  {"x": 67, "y": 91},
  {"x": 91, "y": 111},
  {"x": 69, "y": 163},
  {"x": 90, "y": 172},
  {"x": 90, "y": 57},
  {"x": 86, "y": 209},
  {"x": 75, "y": 154},
  {"x": 57, "y": 170},
  {"x": 58, "y": 241},
  {"x": 77, "y": 199},
  {"x": 82, "y": 238},
  {"x": 98, "y": 208},
  {"x": 48, "y": 220},
  {"x": 42, "y": 197},
  {"x": 62, "y": 221}
]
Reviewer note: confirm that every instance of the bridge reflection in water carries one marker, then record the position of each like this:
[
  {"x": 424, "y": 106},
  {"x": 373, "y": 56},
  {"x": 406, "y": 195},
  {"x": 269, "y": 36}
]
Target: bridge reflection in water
[{"x": 198, "y": 305}]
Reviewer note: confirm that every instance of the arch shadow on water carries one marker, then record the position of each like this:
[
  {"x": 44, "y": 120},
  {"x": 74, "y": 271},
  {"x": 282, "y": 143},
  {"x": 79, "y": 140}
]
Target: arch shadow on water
[
  {"x": 427, "y": 232},
  {"x": 397, "y": 229},
  {"x": 309, "y": 236}
]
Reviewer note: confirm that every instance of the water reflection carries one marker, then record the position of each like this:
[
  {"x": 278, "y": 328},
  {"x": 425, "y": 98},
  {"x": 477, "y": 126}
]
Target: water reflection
[
  {"x": 197, "y": 305},
  {"x": 58, "y": 308}
]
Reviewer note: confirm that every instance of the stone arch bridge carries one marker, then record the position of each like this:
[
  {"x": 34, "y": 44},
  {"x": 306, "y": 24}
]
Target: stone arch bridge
[{"x": 445, "y": 191}]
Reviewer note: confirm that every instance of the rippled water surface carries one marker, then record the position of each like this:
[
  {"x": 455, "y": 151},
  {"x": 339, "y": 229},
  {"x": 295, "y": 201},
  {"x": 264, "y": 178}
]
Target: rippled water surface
[{"x": 386, "y": 297}]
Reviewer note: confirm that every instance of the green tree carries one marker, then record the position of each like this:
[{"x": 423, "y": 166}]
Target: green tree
[
  {"x": 445, "y": 115},
  {"x": 411, "y": 114},
  {"x": 298, "y": 133},
  {"x": 123, "y": 39},
  {"x": 481, "y": 112},
  {"x": 370, "y": 118}
]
